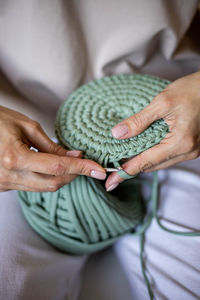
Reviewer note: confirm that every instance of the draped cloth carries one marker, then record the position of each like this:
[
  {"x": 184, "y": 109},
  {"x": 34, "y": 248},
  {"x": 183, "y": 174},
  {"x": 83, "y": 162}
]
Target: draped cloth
[
  {"x": 30, "y": 268},
  {"x": 47, "y": 49}
]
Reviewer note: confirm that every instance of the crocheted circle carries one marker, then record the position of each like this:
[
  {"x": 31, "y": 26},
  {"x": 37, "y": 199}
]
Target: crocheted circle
[{"x": 85, "y": 119}]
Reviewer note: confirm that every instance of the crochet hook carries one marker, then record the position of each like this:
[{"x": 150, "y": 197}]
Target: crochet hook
[{"x": 113, "y": 169}]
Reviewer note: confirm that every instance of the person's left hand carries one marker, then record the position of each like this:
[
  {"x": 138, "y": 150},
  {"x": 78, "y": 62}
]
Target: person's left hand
[{"x": 179, "y": 105}]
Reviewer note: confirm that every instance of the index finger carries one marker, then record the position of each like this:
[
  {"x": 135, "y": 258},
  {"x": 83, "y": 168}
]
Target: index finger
[
  {"x": 52, "y": 164},
  {"x": 143, "y": 161}
]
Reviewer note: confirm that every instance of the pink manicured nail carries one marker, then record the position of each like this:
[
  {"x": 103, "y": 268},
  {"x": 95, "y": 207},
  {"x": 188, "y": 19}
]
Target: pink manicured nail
[
  {"x": 74, "y": 153},
  {"x": 112, "y": 187},
  {"x": 119, "y": 131},
  {"x": 98, "y": 174}
]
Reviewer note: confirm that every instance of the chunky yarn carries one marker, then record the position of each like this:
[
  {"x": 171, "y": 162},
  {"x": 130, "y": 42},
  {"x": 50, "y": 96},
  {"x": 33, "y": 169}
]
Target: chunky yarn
[
  {"x": 82, "y": 217},
  {"x": 85, "y": 120}
]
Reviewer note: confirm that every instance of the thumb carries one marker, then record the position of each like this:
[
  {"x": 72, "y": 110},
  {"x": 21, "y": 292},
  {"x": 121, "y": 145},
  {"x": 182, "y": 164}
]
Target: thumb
[{"x": 137, "y": 123}]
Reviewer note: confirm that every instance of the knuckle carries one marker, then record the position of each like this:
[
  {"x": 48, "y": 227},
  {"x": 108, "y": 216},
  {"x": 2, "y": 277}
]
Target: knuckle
[
  {"x": 9, "y": 160},
  {"x": 53, "y": 186},
  {"x": 136, "y": 122},
  {"x": 142, "y": 163},
  {"x": 83, "y": 169},
  {"x": 79, "y": 166},
  {"x": 189, "y": 145},
  {"x": 166, "y": 100},
  {"x": 58, "y": 169},
  {"x": 195, "y": 154},
  {"x": 145, "y": 166},
  {"x": 34, "y": 126},
  {"x": 54, "y": 148}
]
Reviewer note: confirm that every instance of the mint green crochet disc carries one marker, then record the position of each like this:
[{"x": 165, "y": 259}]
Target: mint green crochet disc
[
  {"x": 81, "y": 217},
  {"x": 85, "y": 119}
]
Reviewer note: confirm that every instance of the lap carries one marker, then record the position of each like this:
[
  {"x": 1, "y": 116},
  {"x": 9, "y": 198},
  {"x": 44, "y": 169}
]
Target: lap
[
  {"x": 173, "y": 262},
  {"x": 31, "y": 268}
]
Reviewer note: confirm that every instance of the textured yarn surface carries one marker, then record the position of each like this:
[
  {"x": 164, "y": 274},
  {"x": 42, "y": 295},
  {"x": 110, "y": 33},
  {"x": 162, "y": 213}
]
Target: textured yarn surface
[
  {"x": 82, "y": 217},
  {"x": 85, "y": 120}
]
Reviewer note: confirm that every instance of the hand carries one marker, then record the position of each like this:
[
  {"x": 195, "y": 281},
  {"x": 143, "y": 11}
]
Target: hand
[
  {"x": 46, "y": 170},
  {"x": 179, "y": 105}
]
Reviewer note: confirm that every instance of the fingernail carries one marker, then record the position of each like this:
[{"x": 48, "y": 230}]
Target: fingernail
[
  {"x": 98, "y": 174},
  {"x": 74, "y": 153},
  {"x": 112, "y": 187},
  {"x": 119, "y": 131}
]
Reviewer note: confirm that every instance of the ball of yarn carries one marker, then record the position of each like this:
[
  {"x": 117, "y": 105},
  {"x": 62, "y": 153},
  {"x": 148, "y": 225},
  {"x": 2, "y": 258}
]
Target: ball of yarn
[
  {"x": 85, "y": 119},
  {"x": 82, "y": 217}
]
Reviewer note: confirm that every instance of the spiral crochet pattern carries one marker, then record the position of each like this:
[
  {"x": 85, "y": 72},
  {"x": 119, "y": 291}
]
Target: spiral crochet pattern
[
  {"x": 82, "y": 217},
  {"x": 85, "y": 120}
]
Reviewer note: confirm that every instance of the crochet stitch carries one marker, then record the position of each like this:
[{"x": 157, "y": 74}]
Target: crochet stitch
[
  {"x": 82, "y": 217},
  {"x": 85, "y": 120}
]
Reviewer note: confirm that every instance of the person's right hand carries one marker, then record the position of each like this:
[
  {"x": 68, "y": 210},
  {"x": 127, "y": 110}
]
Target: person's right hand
[{"x": 46, "y": 170}]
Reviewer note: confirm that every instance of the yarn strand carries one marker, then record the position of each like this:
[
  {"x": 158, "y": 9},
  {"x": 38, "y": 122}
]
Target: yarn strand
[{"x": 154, "y": 215}]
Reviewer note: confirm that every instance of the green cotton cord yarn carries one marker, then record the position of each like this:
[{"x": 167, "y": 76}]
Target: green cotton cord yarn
[
  {"x": 85, "y": 120},
  {"x": 82, "y": 217}
]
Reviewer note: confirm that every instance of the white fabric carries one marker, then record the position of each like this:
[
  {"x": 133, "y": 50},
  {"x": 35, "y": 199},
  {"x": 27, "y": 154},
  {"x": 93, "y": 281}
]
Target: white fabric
[
  {"x": 173, "y": 262},
  {"x": 32, "y": 269},
  {"x": 47, "y": 49}
]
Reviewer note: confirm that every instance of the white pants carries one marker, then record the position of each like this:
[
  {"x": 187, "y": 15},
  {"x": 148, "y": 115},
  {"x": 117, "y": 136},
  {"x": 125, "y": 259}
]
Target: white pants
[{"x": 31, "y": 269}]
